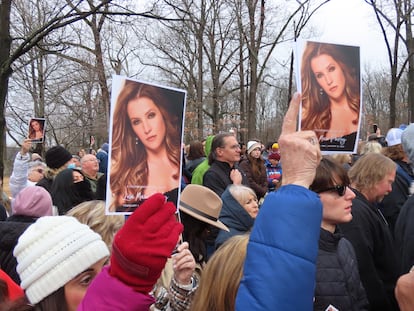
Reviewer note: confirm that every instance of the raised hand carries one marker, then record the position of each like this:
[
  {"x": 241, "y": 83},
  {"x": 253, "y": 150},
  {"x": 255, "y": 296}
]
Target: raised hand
[{"x": 300, "y": 151}]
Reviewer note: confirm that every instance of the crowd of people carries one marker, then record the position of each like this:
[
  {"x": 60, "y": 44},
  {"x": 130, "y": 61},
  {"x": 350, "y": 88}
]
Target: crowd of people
[{"x": 275, "y": 227}]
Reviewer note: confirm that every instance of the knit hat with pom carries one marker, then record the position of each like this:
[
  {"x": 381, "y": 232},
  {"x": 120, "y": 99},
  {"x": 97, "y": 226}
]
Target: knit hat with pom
[{"x": 54, "y": 250}]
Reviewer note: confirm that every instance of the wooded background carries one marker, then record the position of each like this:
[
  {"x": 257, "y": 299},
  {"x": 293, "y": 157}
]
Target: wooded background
[{"x": 57, "y": 58}]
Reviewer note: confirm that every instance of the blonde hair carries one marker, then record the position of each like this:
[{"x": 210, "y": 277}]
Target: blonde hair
[
  {"x": 342, "y": 158},
  {"x": 221, "y": 276},
  {"x": 371, "y": 146},
  {"x": 241, "y": 193},
  {"x": 92, "y": 213},
  {"x": 370, "y": 169},
  {"x": 50, "y": 173}
]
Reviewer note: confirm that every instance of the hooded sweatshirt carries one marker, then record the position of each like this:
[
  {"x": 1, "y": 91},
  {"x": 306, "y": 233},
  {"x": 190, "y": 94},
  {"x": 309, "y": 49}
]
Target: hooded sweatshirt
[{"x": 203, "y": 167}]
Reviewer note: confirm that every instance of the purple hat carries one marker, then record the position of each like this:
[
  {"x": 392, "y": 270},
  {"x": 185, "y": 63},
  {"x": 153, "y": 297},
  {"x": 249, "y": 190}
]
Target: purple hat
[{"x": 33, "y": 201}]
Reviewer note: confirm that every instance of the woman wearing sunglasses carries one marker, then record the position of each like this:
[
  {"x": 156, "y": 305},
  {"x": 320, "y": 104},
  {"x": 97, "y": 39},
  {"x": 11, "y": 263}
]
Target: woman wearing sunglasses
[{"x": 337, "y": 278}]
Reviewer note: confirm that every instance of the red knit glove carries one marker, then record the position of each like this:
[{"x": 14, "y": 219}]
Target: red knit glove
[{"x": 142, "y": 246}]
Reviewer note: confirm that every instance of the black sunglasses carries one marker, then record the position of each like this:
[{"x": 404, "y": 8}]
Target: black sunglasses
[{"x": 340, "y": 189}]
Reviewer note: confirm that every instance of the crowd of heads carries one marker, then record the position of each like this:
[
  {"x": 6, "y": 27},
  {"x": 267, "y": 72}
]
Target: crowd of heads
[{"x": 55, "y": 255}]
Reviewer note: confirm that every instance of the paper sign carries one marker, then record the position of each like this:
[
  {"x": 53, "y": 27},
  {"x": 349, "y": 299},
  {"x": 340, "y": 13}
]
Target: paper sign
[
  {"x": 329, "y": 79},
  {"x": 37, "y": 129},
  {"x": 145, "y": 142}
]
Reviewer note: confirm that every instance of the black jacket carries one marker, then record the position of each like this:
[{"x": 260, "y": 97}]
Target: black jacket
[
  {"x": 404, "y": 236},
  {"x": 10, "y": 231},
  {"x": 337, "y": 276},
  {"x": 217, "y": 178},
  {"x": 371, "y": 238},
  {"x": 392, "y": 203},
  {"x": 45, "y": 183}
]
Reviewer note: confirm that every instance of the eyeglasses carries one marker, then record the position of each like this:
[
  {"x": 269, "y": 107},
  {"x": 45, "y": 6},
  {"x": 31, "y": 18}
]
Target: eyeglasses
[
  {"x": 39, "y": 170},
  {"x": 340, "y": 189}
]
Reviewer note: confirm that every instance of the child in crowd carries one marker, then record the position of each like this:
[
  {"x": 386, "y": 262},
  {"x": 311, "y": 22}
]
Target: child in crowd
[{"x": 273, "y": 171}]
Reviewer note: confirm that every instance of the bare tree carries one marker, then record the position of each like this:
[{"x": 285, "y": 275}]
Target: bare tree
[
  {"x": 63, "y": 16},
  {"x": 396, "y": 15},
  {"x": 261, "y": 41},
  {"x": 198, "y": 55}
]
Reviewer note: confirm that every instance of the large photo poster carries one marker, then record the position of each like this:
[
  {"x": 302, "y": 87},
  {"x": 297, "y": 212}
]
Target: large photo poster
[
  {"x": 145, "y": 142},
  {"x": 329, "y": 79}
]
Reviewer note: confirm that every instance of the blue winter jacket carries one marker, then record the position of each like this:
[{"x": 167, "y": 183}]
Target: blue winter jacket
[{"x": 280, "y": 266}]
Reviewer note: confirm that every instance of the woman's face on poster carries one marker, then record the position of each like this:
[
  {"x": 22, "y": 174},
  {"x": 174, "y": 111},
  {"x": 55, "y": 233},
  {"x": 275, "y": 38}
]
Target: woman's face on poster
[
  {"x": 329, "y": 75},
  {"x": 35, "y": 125},
  {"x": 147, "y": 122}
]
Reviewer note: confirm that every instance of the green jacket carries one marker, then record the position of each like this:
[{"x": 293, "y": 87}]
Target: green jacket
[{"x": 199, "y": 171}]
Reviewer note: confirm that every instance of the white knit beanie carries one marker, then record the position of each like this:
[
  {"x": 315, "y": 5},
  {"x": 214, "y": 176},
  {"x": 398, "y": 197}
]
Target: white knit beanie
[
  {"x": 251, "y": 145},
  {"x": 54, "y": 250}
]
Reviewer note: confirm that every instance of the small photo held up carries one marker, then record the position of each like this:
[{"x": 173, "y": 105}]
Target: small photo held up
[{"x": 37, "y": 127}]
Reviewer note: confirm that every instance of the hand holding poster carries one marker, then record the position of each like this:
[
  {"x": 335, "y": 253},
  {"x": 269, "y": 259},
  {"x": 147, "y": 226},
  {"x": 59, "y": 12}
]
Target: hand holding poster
[
  {"x": 145, "y": 143},
  {"x": 329, "y": 80}
]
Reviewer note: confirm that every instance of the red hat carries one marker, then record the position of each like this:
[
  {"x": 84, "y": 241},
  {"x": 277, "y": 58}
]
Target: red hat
[
  {"x": 141, "y": 247},
  {"x": 274, "y": 156}
]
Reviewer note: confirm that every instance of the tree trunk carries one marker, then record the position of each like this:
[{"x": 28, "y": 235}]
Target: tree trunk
[
  {"x": 5, "y": 72},
  {"x": 200, "y": 77},
  {"x": 254, "y": 48},
  {"x": 393, "y": 92}
]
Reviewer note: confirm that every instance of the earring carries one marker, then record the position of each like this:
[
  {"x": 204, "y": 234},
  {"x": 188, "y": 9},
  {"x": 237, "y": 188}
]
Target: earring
[
  {"x": 321, "y": 91},
  {"x": 136, "y": 141}
]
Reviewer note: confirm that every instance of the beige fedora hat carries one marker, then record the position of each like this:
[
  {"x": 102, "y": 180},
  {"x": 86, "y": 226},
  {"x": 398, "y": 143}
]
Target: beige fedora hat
[{"x": 202, "y": 203}]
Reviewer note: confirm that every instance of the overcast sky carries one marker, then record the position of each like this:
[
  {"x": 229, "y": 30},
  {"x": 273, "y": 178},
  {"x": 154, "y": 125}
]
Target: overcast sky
[{"x": 352, "y": 22}]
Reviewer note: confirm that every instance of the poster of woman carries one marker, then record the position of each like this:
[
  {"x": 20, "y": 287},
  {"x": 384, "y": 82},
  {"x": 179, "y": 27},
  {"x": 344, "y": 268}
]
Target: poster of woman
[
  {"x": 37, "y": 130},
  {"x": 329, "y": 78},
  {"x": 145, "y": 138}
]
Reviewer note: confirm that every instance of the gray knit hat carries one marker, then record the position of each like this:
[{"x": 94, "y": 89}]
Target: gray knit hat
[
  {"x": 54, "y": 250},
  {"x": 407, "y": 141}
]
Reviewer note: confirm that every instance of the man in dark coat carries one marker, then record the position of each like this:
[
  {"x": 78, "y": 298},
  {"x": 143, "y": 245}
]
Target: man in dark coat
[
  {"x": 404, "y": 229},
  {"x": 368, "y": 230},
  {"x": 223, "y": 160}
]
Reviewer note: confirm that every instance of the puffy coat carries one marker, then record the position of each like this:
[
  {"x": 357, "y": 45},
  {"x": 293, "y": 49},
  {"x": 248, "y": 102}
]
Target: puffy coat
[
  {"x": 280, "y": 267},
  {"x": 337, "y": 276}
]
